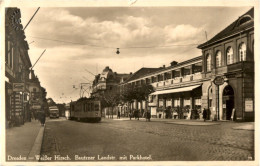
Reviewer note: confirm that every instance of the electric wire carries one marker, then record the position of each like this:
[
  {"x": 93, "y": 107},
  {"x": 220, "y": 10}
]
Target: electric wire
[{"x": 99, "y": 46}]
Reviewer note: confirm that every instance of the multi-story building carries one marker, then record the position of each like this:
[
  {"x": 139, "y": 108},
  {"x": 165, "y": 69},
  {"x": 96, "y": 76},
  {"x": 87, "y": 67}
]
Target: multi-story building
[
  {"x": 178, "y": 85},
  {"x": 228, "y": 60},
  {"x": 220, "y": 81},
  {"x": 17, "y": 64},
  {"x": 19, "y": 87},
  {"x": 37, "y": 99},
  {"x": 105, "y": 86}
]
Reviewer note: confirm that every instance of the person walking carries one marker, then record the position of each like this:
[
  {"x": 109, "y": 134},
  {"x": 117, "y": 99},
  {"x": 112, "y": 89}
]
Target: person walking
[
  {"x": 42, "y": 117},
  {"x": 204, "y": 114},
  {"x": 148, "y": 115},
  {"x": 118, "y": 114},
  {"x": 130, "y": 115}
]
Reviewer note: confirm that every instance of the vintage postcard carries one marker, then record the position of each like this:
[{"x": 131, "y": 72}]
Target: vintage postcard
[{"x": 129, "y": 82}]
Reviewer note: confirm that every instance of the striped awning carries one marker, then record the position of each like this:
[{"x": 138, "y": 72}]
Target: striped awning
[{"x": 176, "y": 90}]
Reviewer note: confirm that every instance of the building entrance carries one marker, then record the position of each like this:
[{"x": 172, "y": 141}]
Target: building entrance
[{"x": 228, "y": 102}]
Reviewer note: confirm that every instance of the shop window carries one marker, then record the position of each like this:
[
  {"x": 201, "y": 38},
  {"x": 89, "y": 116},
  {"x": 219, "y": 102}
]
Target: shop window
[
  {"x": 197, "y": 101},
  {"x": 161, "y": 103},
  {"x": 242, "y": 52},
  {"x": 208, "y": 63},
  {"x": 168, "y": 102},
  {"x": 176, "y": 102},
  {"x": 218, "y": 59},
  {"x": 186, "y": 102},
  {"x": 229, "y": 56}
]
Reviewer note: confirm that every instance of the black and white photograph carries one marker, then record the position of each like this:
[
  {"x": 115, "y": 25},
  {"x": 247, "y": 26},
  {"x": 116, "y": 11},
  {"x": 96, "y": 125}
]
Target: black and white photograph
[{"x": 129, "y": 82}]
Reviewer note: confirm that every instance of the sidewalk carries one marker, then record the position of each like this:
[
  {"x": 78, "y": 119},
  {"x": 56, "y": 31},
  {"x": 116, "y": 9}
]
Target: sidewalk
[
  {"x": 198, "y": 122},
  {"x": 24, "y": 142}
]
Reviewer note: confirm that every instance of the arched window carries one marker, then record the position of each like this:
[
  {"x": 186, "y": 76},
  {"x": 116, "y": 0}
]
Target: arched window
[
  {"x": 218, "y": 59},
  {"x": 242, "y": 52},
  {"x": 208, "y": 57},
  {"x": 229, "y": 55}
]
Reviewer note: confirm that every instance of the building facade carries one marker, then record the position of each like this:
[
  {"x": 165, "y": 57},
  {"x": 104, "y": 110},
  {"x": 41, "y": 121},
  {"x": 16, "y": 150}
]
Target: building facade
[
  {"x": 17, "y": 64},
  {"x": 220, "y": 81},
  {"x": 105, "y": 86},
  {"x": 230, "y": 56},
  {"x": 19, "y": 87}
]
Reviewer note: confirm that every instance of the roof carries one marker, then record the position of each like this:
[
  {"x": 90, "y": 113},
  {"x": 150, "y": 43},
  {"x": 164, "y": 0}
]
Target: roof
[
  {"x": 141, "y": 72},
  {"x": 233, "y": 28}
]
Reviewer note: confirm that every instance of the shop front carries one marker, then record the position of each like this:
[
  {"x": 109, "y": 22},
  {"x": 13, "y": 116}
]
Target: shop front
[{"x": 179, "y": 103}]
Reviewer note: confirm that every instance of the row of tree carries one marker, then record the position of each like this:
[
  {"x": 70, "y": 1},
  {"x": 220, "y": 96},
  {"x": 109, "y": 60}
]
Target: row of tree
[{"x": 128, "y": 95}]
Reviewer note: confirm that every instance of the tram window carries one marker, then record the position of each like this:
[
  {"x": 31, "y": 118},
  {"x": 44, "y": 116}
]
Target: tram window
[
  {"x": 96, "y": 107},
  {"x": 92, "y": 106}
]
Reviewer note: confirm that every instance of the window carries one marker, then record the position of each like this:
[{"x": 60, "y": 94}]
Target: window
[
  {"x": 208, "y": 57},
  {"x": 218, "y": 59},
  {"x": 197, "y": 101},
  {"x": 176, "y": 102},
  {"x": 242, "y": 52},
  {"x": 160, "y": 102},
  {"x": 96, "y": 107},
  {"x": 168, "y": 102},
  {"x": 186, "y": 102},
  {"x": 10, "y": 54},
  {"x": 229, "y": 55}
]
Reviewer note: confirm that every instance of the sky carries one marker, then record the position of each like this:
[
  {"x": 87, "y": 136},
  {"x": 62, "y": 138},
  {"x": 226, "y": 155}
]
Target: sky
[{"x": 83, "y": 40}]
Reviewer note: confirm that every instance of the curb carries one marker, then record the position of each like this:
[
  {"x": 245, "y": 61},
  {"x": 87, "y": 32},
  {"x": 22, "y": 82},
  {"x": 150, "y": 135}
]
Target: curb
[{"x": 36, "y": 149}]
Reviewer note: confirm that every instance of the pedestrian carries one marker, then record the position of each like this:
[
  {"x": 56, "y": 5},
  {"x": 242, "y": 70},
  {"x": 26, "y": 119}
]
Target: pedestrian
[
  {"x": 118, "y": 115},
  {"x": 42, "y": 117},
  {"x": 204, "y": 114},
  {"x": 130, "y": 115},
  {"x": 148, "y": 116}
]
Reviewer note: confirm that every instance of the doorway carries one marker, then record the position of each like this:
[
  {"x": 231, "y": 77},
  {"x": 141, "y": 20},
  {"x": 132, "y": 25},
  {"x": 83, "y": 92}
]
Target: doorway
[{"x": 228, "y": 102}]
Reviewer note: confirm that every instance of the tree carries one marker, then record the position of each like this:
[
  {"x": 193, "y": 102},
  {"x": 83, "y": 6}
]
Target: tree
[
  {"x": 110, "y": 100},
  {"x": 138, "y": 93}
]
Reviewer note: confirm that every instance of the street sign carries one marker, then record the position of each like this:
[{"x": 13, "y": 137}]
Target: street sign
[
  {"x": 219, "y": 80},
  {"x": 18, "y": 87}
]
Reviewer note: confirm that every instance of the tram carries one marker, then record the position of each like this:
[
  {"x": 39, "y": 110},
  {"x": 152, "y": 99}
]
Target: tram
[{"x": 86, "y": 109}]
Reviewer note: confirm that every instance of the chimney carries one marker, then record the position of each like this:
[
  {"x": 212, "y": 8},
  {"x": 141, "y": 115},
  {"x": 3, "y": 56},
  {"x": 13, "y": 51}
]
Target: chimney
[
  {"x": 174, "y": 63},
  {"x": 131, "y": 73},
  {"x": 163, "y": 66}
]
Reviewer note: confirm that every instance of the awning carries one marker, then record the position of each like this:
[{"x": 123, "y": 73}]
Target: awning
[{"x": 184, "y": 89}]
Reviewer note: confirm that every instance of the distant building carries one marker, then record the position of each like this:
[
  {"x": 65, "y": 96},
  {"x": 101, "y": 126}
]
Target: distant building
[{"x": 106, "y": 85}]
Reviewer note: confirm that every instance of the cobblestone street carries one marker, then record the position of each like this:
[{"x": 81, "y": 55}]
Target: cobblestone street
[{"x": 163, "y": 141}]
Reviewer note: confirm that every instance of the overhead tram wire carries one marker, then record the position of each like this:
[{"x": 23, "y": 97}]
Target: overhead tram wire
[{"x": 99, "y": 46}]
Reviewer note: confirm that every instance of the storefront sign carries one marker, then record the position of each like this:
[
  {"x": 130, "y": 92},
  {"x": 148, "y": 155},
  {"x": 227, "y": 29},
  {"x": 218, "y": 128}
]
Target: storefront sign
[
  {"x": 248, "y": 105},
  {"x": 18, "y": 87},
  {"x": 219, "y": 80}
]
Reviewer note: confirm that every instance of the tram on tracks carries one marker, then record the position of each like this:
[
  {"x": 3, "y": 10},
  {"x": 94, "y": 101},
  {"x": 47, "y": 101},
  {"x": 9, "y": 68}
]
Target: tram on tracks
[{"x": 86, "y": 109}]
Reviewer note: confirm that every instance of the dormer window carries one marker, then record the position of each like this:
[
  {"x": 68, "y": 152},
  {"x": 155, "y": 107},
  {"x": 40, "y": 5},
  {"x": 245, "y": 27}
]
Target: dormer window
[{"x": 244, "y": 20}]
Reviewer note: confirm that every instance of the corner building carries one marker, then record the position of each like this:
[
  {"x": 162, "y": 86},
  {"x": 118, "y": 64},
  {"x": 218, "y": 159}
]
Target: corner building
[
  {"x": 230, "y": 56},
  {"x": 221, "y": 80}
]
